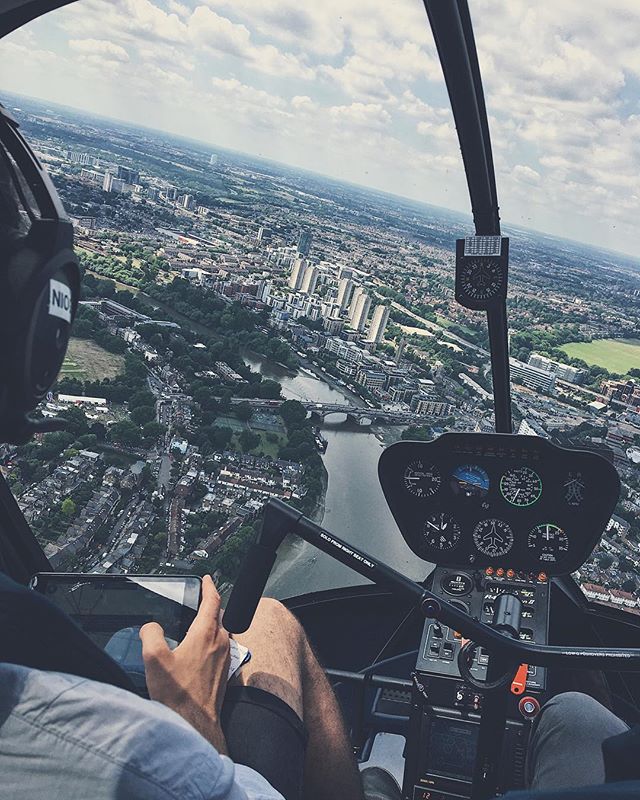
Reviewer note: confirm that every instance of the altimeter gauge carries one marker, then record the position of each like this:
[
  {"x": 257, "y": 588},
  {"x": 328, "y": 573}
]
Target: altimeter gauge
[
  {"x": 493, "y": 537},
  {"x": 441, "y": 531},
  {"x": 521, "y": 487},
  {"x": 422, "y": 480},
  {"x": 548, "y": 541}
]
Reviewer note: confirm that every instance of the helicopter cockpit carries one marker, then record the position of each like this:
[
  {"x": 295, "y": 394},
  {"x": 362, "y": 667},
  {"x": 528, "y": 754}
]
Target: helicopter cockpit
[
  {"x": 479, "y": 506},
  {"x": 441, "y": 678}
]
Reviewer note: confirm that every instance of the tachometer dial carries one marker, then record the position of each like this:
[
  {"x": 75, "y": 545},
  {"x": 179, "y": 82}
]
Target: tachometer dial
[
  {"x": 422, "y": 480},
  {"x": 441, "y": 532},
  {"x": 470, "y": 480},
  {"x": 548, "y": 541},
  {"x": 493, "y": 537},
  {"x": 521, "y": 486}
]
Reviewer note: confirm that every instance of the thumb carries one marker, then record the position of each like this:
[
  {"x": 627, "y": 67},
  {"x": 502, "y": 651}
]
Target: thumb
[{"x": 154, "y": 645}]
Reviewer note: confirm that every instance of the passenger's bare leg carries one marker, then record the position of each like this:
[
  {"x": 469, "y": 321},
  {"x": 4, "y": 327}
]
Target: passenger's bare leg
[{"x": 283, "y": 663}]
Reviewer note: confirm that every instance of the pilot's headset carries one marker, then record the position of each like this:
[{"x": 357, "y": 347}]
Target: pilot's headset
[{"x": 39, "y": 285}]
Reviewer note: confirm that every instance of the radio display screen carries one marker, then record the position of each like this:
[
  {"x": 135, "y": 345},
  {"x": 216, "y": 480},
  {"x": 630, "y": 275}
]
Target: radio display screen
[{"x": 452, "y": 748}]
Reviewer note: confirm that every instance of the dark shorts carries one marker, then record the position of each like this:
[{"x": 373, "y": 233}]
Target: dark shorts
[{"x": 266, "y": 734}]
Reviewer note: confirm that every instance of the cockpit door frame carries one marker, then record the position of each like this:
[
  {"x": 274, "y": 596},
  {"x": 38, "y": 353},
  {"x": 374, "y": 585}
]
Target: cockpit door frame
[{"x": 15, "y": 13}]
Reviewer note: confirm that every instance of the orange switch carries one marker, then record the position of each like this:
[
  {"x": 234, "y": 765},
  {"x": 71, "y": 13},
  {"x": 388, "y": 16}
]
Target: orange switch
[{"x": 519, "y": 683}]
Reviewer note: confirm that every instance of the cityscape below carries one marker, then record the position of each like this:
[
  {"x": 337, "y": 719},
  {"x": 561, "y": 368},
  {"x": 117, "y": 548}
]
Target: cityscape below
[{"x": 243, "y": 325}]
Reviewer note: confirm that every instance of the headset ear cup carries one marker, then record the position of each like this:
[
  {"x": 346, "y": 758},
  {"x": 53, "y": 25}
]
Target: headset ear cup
[{"x": 44, "y": 327}]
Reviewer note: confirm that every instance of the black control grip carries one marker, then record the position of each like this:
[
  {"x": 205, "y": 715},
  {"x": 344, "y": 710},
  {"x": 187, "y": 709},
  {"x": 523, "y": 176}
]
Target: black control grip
[
  {"x": 507, "y": 613},
  {"x": 248, "y": 588}
]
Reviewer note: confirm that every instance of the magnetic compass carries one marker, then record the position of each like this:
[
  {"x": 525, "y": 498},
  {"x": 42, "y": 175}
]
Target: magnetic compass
[
  {"x": 481, "y": 278},
  {"x": 481, "y": 271}
]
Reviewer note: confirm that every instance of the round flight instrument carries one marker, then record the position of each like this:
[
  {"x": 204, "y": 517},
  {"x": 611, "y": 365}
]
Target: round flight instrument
[
  {"x": 548, "y": 541},
  {"x": 456, "y": 584},
  {"x": 441, "y": 531},
  {"x": 521, "y": 486},
  {"x": 481, "y": 278},
  {"x": 470, "y": 480},
  {"x": 493, "y": 537},
  {"x": 422, "y": 480}
]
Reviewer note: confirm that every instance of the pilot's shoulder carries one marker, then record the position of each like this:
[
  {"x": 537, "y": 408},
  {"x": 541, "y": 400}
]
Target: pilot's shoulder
[{"x": 63, "y": 731}]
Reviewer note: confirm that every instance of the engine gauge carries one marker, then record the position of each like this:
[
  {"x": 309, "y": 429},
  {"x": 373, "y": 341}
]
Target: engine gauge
[
  {"x": 422, "y": 480},
  {"x": 521, "y": 486},
  {"x": 441, "y": 531},
  {"x": 470, "y": 480},
  {"x": 493, "y": 537},
  {"x": 548, "y": 541}
]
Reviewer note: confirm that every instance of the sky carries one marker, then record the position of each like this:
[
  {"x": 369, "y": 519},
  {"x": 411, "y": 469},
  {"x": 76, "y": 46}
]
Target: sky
[{"x": 353, "y": 89}]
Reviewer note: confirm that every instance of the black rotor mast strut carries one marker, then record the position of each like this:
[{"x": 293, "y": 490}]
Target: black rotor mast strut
[{"x": 453, "y": 33}]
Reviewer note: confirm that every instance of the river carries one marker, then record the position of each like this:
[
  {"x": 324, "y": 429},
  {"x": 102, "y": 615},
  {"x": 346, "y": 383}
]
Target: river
[{"x": 354, "y": 509}]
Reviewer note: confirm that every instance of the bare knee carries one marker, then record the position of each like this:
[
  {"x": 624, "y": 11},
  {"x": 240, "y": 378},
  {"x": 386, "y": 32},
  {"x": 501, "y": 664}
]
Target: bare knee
[{"x": 272, "y": 612}]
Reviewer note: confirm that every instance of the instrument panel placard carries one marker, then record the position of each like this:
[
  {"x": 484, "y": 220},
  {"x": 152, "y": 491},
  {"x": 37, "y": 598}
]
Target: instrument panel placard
[{"x": 499, "y": 499}]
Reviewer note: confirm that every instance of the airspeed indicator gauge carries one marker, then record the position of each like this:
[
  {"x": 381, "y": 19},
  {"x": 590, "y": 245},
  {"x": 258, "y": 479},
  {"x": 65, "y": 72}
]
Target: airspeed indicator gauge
[
  {"x": 493, "y": 537},
  {"x": 422, "y": 480},
  {"x": 521, "y": 487},
  {"x": 441, "y": 532}
]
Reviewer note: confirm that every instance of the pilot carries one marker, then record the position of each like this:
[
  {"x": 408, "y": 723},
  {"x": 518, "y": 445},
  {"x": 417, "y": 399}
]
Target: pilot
[{"x": 275, "y": 732}]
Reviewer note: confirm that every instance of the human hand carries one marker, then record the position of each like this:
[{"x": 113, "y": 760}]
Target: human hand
[{"x": 191, "y": 679}]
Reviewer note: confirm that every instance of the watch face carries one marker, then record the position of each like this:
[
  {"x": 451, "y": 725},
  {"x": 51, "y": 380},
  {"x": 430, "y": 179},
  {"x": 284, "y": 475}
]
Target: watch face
[{"x": 481, "y": 278}]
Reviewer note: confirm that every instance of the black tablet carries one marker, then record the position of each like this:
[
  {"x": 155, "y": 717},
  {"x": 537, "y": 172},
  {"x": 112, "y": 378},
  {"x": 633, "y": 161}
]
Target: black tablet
[{"x": 112, "y": 608}]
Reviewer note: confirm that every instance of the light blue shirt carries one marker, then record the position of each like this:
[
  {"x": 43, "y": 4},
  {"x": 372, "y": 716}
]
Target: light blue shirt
[{"x": 68, "y": 738}]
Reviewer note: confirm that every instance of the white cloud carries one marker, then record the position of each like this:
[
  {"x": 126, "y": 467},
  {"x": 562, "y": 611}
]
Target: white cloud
[
  {"x": 215, "y": 32},
  {"x": 444, "y": 130},
  {"x": 99, "y": 48},
  {"x": 353, "y": 87},
  {"x": 526, "y": 174},
  {"x": 130, "y": 20},
  {"x": 302, "y": 102},
  {"x": 371, "y": 116},
  {"x": 309, "y": 27}
]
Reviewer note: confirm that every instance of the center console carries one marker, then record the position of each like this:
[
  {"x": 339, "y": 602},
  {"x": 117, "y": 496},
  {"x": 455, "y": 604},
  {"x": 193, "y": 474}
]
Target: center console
[
  {"x": 446, "y": 711},
  {"x": 499, "y": 515}
]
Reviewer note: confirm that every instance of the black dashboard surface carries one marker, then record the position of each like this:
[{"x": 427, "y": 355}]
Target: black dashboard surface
[{"x": 483, "y": 499}]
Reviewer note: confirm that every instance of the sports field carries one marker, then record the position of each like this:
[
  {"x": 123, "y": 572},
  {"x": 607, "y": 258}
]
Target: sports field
[
  {"x": 87, "y": 361},
  {"x": 616, "y": 355}
]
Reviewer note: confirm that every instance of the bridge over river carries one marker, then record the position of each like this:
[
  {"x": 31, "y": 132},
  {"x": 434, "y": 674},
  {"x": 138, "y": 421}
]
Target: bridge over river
[{"x": 355, "y": 413}]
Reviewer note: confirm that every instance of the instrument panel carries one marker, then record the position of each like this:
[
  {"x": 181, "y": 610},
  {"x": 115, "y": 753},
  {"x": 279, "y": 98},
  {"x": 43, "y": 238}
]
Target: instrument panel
[{"x": 482, "y": 499}]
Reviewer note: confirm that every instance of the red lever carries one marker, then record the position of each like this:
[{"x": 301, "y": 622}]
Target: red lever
[{"x": 519, "y": 683}]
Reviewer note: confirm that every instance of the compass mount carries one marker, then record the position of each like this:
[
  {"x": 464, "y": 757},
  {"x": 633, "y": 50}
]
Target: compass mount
[{"x": 481, "y": 271}]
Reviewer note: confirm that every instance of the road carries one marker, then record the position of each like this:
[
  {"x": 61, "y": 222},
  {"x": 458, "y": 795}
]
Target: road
[
  {"x": 164, "y": 473},
  {"x": 175, "y": 526}
]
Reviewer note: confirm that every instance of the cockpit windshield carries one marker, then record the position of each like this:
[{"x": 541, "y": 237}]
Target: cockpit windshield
[{"x": 266, "y": 198}]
